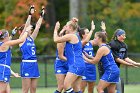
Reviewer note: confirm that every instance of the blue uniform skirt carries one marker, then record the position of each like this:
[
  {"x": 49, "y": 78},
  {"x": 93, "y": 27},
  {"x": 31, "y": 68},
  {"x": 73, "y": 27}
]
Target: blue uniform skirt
[
  {"x": 60, "y": 67},
  {"x": 111, "y": 76},
  {"x": 5, "y": 73},
  {"x": 79, "y": 71},
  {"x": 29, "y": 70},
  {"x": 89, "y": 73}
]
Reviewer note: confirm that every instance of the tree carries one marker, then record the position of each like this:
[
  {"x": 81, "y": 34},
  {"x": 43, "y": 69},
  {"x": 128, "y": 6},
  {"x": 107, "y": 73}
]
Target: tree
[
  {"x": 19, "y": 14},
  {"x": 74, "y": 8}
]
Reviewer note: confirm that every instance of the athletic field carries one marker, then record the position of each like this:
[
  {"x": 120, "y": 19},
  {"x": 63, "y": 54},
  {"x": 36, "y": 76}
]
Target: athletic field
[
  {"x": 48, "y": 78},
  {"x": 128, "y": 89}
]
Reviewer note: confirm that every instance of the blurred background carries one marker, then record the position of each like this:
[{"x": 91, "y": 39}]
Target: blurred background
[
  {"x": 116, "y": 14},
  {"x": 124, "y": 14}
]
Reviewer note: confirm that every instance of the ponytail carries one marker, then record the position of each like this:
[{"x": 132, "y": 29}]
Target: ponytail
[
  {"x": 74, "y": 23},
  {"x": 81, "y": 31}
]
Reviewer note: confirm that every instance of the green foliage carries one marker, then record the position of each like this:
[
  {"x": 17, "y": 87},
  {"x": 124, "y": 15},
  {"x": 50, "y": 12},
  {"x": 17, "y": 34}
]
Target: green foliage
[
  {"x": 6, "y": 8},
  {"x": 116, "y": 14},
  {"x": 15, "y": 12},
  {"x": 122, "y": 14}
]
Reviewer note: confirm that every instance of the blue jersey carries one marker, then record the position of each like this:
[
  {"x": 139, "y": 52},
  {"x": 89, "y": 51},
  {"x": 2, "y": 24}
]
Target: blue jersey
[
  {"x": 74, "y": 54},
  {"x": 88, "y": 48},
  {"x": 90, "y": 71},
  {"x": 5, "y": 62},
  {"x": 5, "y": 57},
  {"x": 108, "y": 62},
  {"x": 111, "y": 70},
  {"x": 28, "y": 49}
]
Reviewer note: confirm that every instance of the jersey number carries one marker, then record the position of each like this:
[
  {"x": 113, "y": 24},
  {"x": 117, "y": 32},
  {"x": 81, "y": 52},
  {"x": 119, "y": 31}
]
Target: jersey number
[
  {"x": 90, "y": 54},
  {"x": 33, "y": 51}
]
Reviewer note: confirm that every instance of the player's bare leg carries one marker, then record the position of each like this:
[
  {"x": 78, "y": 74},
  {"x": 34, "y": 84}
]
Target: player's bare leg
[
  {"x": 33, "y": 85},
  {"x": 26, "y": 83}
]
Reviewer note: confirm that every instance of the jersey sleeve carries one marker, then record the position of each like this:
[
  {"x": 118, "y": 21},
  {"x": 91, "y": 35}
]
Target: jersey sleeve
[
  {"x": 113, "y": 47},
  {"x": 126, "y": 53}
]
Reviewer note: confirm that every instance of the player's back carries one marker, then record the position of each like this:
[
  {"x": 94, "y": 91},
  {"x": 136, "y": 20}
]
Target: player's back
[
  {"x": 108, "y": 61},
  {"x": 74, "y": 54},
  {"x": 5, "y": 57}
]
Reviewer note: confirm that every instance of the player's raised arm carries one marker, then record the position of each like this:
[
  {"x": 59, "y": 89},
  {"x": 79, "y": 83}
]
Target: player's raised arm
[
  {"x": 63, "y": 31},
  {"x": 103, "y": 27},
  {"x": 28, "y": 21},
  {"x": 38, "y": 24},
  {"x": 55, "y": 34},
  {"x": 14, "y": 31},
  {"x": 20, "y": 40},
  {"x": 58, "y": 39},
  {"x": 86, "y": 40}
]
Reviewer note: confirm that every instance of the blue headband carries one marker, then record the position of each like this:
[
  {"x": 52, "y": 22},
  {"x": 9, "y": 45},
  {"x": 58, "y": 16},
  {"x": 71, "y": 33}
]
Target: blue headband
[{"x": 120, "y": 32}]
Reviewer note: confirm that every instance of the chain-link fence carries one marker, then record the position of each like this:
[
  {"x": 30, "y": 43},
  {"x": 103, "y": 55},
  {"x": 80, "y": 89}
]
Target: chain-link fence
[{"x": 47, "y": 78}]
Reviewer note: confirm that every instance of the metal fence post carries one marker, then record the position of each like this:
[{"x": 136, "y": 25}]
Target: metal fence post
[
  {"x": 126, "y": 74},
  {"x": 46, "y": 82}
]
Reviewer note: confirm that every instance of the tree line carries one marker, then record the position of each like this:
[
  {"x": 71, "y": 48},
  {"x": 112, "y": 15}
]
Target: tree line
[{"x": 116, "y": 14}]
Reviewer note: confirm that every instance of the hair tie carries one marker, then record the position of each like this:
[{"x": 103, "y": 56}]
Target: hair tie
[
  {"x": 75, "y": 20},
  {"x": 0, "y": 33},
  {"x": 5, "y": 34}
]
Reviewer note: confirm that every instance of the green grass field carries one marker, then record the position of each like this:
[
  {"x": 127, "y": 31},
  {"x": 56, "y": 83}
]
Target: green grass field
[
  {"x": 128, "y": 89},
  {"x": 48, "y": 77}
]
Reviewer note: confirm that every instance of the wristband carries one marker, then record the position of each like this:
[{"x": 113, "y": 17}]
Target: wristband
[
  {"x": 32, "y": 7},
  {"x": 42, "y": 13},
  {"x": 14, "y": 31}
]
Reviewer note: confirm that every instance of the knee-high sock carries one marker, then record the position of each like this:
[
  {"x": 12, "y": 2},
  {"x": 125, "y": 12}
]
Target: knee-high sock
[
  {"x": 57, "y": 91},
  {"x": 79, "y": 92},
  {"x": 70, "y": 90}
]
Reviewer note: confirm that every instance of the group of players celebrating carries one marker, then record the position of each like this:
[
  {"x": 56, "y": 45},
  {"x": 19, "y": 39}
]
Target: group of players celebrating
[
  {"x": 75, "y": 57},
  {"x": 29, "y": 71}
]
